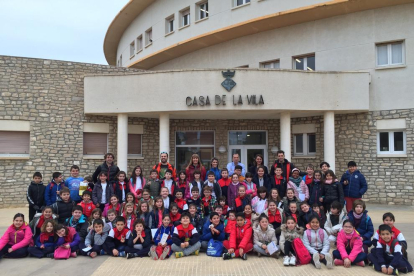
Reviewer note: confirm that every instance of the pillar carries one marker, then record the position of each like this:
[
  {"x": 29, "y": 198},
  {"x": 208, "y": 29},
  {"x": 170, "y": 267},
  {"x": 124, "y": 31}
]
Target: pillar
[
  {"x": 285, "y": 134},
  {"x": 165, "y": 133},
  {"x": 122, "y": 158},
  {"x": 329, "y": 138}
]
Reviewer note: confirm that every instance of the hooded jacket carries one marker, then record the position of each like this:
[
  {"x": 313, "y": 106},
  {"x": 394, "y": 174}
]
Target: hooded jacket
[
  {"x": 357, "y": 185},
  {"x": 164, "y": 230},
  {"x": 97, "y": 239},
  {"x": 35, "y": 221},
  {"x": 267, "y": 182},
  {"x": 50, "y": 192},
  {"x": 333, "y": 192},
  {"x": 335, "y": 229},
  {"x": 81, "y": 226},
  {"x": 182, "y": 234},
  {"x": 62, "y": 209},
  {"x": 36, "y": 195},
  {"x": 17, "y": 238},
  {"x": 207, "y": 235},
  {"x": 264, "y": 237},
  {"x": 315, "y": 241},
  {"x": 289, "y": 235},
  {"x": 355, "y": 243},
  {"x": 365, "y": 228},
  {"x": 241, "y": 236}
]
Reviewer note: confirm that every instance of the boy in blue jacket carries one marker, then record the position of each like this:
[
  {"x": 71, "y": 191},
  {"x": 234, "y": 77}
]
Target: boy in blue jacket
[
  {"x": 212, "y": 229},
  {"x": 53, "y": 188},
  {"x": 354, "y": 185}
]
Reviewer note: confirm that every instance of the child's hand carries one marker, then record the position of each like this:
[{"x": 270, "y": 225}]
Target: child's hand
[
  {"x": 57, "y": 192},
  {"x": 89, "y": 246},
  {"x": 241, "y": 251},
  {"x": 42, "y": 246},
  {"x": 182, "y": 245},
  {"x": 264, "y": 246},
  {"x": 122, "y": 239},
  {"x": 10, "y": 250},
  {"x": 159, "y": 244},
  {"x": 97, "y": 205},
  {"x": 230, "y": 251},
  {"x": 390, "y": 271},
  {"x": 347, "y": 262},
  {"x": 115, "y": 252},
  {"x": 67, "y": 246},
  {"x": 321, "y": 199},
  {"x": 321, "y": 256}
]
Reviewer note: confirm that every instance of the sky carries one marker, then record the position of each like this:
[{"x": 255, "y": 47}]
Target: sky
[{"x": 72, "y": 30}]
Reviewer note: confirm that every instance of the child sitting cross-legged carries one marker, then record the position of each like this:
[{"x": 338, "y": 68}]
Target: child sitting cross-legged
[
  {"x": 185, "y": 238},
  {"x": 240, "y": 239},
  {"x": 163, "y": 240},
  {"x": 263, "y": 235},
  {"x": 289, "y": 231},
  {"x": 139, "y": 242},
  {"x": 362, "y": 222},
  {"x": 349, "y": 245},
  {"x": 213, "y": 229},
  {"x": 118, "y": 238},
  {"x": 45, "y": 242},
  {"x": 389, "y": 219},
  {"x": 95, "y": 240},
  {"x": 67, "y": 238}
]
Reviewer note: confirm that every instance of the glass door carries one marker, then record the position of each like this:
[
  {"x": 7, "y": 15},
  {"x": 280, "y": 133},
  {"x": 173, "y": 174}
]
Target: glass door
[{"x": 247, "y": 144}]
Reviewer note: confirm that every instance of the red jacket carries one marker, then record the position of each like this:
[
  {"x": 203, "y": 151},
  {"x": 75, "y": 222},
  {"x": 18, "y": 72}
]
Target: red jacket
[
  {"x": 87, "y": 208},
  {"x": 190, "y": 173},
  {"x": 241, "y": 236},
  {"x": 229, "y": 226},
  {"x": 224, "y": 182}
]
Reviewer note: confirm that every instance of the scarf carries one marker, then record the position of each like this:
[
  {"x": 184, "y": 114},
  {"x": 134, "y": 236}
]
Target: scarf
[
  {"x": 44, "y": 237},
  {"x": 40, "y": 222},
  {"x": 180, "y": 203},
  {"x": 358, "y": 216},
  {"x": 295, "y": 217},
  {"x": 308, "y": 180},
  {"x": 328, "y": 181},
  {"x": 69, "y": 236},
  {"x": 119, "y": 234},
  {"x": 239, "y": 201},
  {"x": 274, "y": 218},
  {"x": 381, "y": 241},
  {"x": 224, "y": 182},
  {"x": 122, "y": 187},
  {"x": 296, "y": 181},
  {"x": 206, "y": 201},
  {"x": 182, "y": 185},
  {"x": 175, "y": 217},
  {"x": 278, "y": 181},
  {"x": 118, "y": 206}
]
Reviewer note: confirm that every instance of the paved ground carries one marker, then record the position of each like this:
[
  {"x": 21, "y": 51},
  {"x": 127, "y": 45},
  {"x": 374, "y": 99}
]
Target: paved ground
[{"x": 193, "y": 265}]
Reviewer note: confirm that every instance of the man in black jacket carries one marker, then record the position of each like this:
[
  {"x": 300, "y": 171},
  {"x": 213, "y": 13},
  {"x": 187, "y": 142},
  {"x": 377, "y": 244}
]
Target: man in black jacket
[
  {"x": 109, "y": 167},
  {"x": 286, "y": 166},
  {"x": 36, "y": 195}
]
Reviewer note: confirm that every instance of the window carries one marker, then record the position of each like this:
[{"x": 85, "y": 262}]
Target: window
[
  {"x": 390, "y": 54},
  {"x": 169, "y": 24},
  {"x": 135, "y": 144},
  {"x": 185, "y": 17},
  {"x": 243, "y": 66},
  {"x": 202, "y": 10},
  {"x": 275, "y": 64},
  {"x": 14, "y": 143},
  {"x": 391, "y": 142},
  {"x": 95, "y": 143},
  {"x": 148, "y": 37},
  {"x": 189, "y": 142},
  {"x": 139, "y": 43},
  {"x": 304, "y": 144},
  {"x": 241, "y": 2},
  {"x": 306, "y": 63},
  {"x": 132, "y": 49}
]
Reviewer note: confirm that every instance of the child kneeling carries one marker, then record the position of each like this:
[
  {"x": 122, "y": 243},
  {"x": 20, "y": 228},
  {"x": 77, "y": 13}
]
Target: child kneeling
[
  {"x": 185, "y": 238},
  {"x": 139, "y": 242},
  {"x": 240, "y": 239}
]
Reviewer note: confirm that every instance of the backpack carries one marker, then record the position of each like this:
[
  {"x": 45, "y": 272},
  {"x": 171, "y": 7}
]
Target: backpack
[
  {"x": 214, "y": 248},
  {"x": 403, "y": 249},
  {"x": 302, "y": 254},
  {"x": 320, "y": 232}
]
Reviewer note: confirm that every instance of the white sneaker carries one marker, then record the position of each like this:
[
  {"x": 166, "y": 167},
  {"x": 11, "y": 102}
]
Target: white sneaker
[
  {"x": 286, "y": 261},
  {"x": 292, "y": 261},
  {"x": 316, "y": 261},
  {"x": 328, "y": 258}
]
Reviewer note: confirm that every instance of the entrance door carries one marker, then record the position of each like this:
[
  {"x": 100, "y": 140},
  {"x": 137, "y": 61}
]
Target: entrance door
[
  {"x": 247, "y": 153},
  {"x": 248, "y": 144}
]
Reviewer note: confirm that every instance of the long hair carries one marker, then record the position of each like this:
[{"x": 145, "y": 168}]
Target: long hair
[
  {"x": 191, "y": 161},
  {"x": 134, "y": 176}
]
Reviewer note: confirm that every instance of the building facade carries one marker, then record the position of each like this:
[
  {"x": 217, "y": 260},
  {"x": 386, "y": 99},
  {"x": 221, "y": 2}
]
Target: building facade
[{"x": 324, "y": 81}]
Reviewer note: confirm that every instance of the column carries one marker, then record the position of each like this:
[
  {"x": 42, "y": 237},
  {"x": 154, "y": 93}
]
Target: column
[
  {"x": 329, "y": 138},
  {"x": 165, "y": 133},
  {"x": 285, "y": 134},
  {"x": 122, "y": 158}
]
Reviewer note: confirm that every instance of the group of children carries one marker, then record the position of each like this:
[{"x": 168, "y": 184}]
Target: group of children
[{"x": 302, "y": 218}]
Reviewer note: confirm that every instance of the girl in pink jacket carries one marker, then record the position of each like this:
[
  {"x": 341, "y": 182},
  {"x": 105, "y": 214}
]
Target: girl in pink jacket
[
  {"x": 17, "y": 239},
  {"x": 349, "y": 244}
]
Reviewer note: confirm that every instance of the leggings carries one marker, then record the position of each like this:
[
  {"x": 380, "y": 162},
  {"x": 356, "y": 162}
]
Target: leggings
[
  {"x": 289, "y": 248},
  {"x": 39, "y": 252},
  {"x": 18, "y": 253}
]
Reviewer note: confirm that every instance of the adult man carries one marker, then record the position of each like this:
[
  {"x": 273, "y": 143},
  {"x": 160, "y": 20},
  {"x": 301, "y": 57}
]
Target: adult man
[
  {"x": 162, "y": 166},
  {"x": 109, "y": 167},
  {"x": 286, "y": 166},
  {"x": 231, "y": 165}
]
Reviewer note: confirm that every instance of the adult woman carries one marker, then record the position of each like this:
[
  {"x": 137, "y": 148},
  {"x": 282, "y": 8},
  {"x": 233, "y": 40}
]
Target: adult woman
[
  {"x": 17, "y": 238},
  {"x": 214, "y": 167},
  {"x": 258, "y": 161},
  {"x": 195, "y": 164}
]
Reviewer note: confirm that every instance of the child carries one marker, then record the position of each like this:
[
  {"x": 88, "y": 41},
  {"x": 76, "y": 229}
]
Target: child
[
  {"x": 242, "y": 199},
  {"x": 196, "y": 200},
  {"x": 298, "y": 185},
  {"x": 67, "y": 238},
  {"x": 240, "y": 241},
  {"x": 39, "y": 219},
  {"x": 213, "y": 229},
  {"x": 79, "y": 222},
  {"x": 35, "y": 195},
  {"x": 334, "y": 221},
  {"x": 219, "y": 210},
  {"x": 182, "y": 181},
  {"x": 387, "y": 257},
  {"x": 111, "y": 218},
  {"x": 17, "y": 239},
  {"x": 279, "y": 181},
  {"x": 45, "y": 243},
  {"x": 316, "y": 242},
  {"x": 332, "y": 190},
  {"x": 113, "y": 204},
  {"x": 349, "y": 247},
  {"x": 147, "y": 198},
  {"x": 129, "y": 215},
  {"x": 308, "y": 178},
  {"x": 290, "y": 197},
  {"x": 53, "y": 188},
  {"x": 316, "y": 190},
  {"x": 238, "y": 170},
  {"x": 96, "y": 214},
  {"x": 259, "y": 202},
  {"x": 317, "y": 209},
  {"x": 139, "y": 242},
  {"x": 163, "y": 250},
  {"x": 174, "y": 214},
  {"x": 306, "y": 214},
  {"x": 224, "y": 182},
  {"x": 158, "y": 211},
  {"x": 354, "y": 185},
  {"x": 230, "y": 223},
  {"x": 118, "y": 238},
  {"x": 137, "y": 182},
  {"x": 208, "y": 201},
  {"x": 86, "y": 204},
  {"x": 95, "y": 240},
  {"x": 145, "y": 214},
  {"x": 261, "y": 178},
  {"x": 389, "y": 219},
  {"x": 274, "y": 214},
  {"x": 248, "y": 212},
  {"x": 130, "y": 198},
  {"x": 232, "y": 191},
  {"x": 153, "y": 184},
  {"x": 362, "y": 222},
  {"x": 89, "y": 183},
  {"x": 169, "y": 183},
  {"x": 289, "y": 231},
  {"x": 195, "y": 218},
  {"x": 73, "y": 183},
  {"x": 102, "y": 192},
  {"x": 185, "y": 238},
  {"x": 263, "y": 235},
  {"x": 180, "y": 201},
  {"x": 215, "y": 187},
  {"x": 166, "y": 197},
  {"x": 274, "y": 195},
  {"x": 251, "y": 189},
  {"x": 222, "y": 203},
  {"x": 292, "y": 211},
  {"x": 121, "y": 186},
  {"x": 63, "y": 206},
  {"x": 195, "y": 183}
]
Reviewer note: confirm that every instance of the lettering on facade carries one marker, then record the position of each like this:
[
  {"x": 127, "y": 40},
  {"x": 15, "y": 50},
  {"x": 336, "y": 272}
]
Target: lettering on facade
[{"x": 222, "y": 100}]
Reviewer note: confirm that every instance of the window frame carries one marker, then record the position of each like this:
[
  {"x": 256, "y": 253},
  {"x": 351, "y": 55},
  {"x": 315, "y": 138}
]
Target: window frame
[
  {"x": 202, "y": 10},
  {"x": 272, "y": 62},
  {"x": 140, "y": 44},
  {"x": 305, "y": 145},
  {"x": 94, "y": 155},
  {"x": 389, "y": 53},
  {"x": 16, "y": 155},
  {"x": 244, "y": 2},
  {"x": 169, "y": 24},
  {"x": 148, "y": 37},
  {"x": 134, "y": 155},
  {"x": 305, "y": 62},
  {"x": 391, "y": 150},
  {"x": 132, "y": 49},
  {"x": 184, "y": 13}
]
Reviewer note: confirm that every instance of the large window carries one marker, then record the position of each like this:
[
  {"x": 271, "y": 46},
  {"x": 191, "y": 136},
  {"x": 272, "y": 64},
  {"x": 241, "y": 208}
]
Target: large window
[
  {"x": 189, "y": 142},
  {"x": 95, "y": 143},
  {"x": 389, "y": 54},
  {"x": 306, "y": 63},
  {"x": 304, "y": 144},
  {"x": 202, "y": 10},
  {"x": 391, "y": 142},
  {"x": 14, "y": 143}
]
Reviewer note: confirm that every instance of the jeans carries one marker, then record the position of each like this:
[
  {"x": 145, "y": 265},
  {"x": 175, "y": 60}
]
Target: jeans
[
  {"x": 260, "y": 250},
  {"x": 188, "y": 250}
]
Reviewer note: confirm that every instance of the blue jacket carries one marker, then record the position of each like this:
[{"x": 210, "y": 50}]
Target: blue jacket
[
  {"x": 365, "y": 228},
  {"x": 216, "y": 171},
  {"x": 50, "y": 192},
  {"x": 164, "y": 230},
  {"x": 206, "y": 236},
  {"x": 357, "y": 185},
  {"x": 50, "y": 242},
  {"x": 73, "y": 183}
]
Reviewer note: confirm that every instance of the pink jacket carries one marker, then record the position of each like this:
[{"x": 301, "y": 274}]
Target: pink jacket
[
  {"x": 252, "y": 192},
  {"x": 303, "y": 187},
  {"x": 132, "y": 187},
  {"x": 17, "y": 238},
  {"x": 355, "y": 244}
]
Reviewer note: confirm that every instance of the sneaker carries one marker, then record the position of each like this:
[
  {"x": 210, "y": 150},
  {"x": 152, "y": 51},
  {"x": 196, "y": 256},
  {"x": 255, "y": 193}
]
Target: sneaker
[
  {"x": 286, "y": 261},
  {"x": 361, "y": 263},
  {"x": 244, "y": 257},
  {"x": 73, "y": 255},
  {"x": 328, "y": 258},
  {"x": 196, "y": 252},
  {"x": 93, "y": 254},
  {"x": 121, "y": 254},
  {"x": 338, "y": 262},
  {"x": 259, "y": 255},
  {"x": 179, "y": 254},
  {"x": 396, "y": 272},
  {"x": 292, "y": 261},
  {"x": 316, "y": 261},
  {"x": 153, "y": 253},
  {"x": 164, "y": 253},
  {"x": 226, "y": 256},
  {"x": 129, "y": 255}
]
